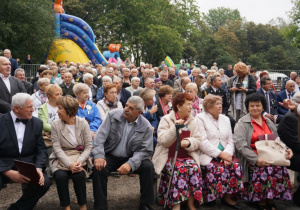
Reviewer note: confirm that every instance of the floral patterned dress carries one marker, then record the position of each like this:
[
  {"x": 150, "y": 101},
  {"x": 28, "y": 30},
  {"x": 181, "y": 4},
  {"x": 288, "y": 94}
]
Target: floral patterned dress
[
  {"x": 272, "y": 182},
  {"x": 219, "y": 180},
  {"x": 187, "y": 179}
]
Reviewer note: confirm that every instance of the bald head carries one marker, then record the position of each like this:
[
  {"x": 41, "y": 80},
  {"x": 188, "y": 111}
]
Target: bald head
[
  {"x": 185, "y": 81},
  {"x": 7, "y": 53},
  {"x": 290, "y": 86},
  {"x": 293, "y": 75},
  {"x": 5, "y": 67}
]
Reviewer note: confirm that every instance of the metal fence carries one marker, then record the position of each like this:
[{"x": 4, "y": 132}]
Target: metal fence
[{"x": 30, "y": 70}]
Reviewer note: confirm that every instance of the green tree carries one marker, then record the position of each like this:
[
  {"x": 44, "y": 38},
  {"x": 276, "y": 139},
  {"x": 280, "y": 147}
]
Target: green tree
[
  {"x": 26, "y": 27},
  {"x": 218, "y": 17}
]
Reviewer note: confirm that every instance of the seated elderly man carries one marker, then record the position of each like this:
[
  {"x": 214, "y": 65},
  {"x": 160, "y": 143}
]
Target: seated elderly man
[
  {"x": 122, "y": 93},
  {"x": 20, "y": 75},
  {"x": 67, "y": 85},
  {"x": 184, "y": 81},
  {"x": 164, "y": 75},
  {"x": 21, "y": 139},
  {"x": 288, "y": 133},
  {"x": 124, "y": 142}
]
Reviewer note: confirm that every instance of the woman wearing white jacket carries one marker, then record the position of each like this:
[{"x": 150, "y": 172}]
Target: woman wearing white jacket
[{"x": 222, "y": 174}]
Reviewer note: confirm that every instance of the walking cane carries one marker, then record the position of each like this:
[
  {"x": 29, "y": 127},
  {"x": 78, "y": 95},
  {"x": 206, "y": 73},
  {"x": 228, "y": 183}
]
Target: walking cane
[{"x": 178, "y": 126}]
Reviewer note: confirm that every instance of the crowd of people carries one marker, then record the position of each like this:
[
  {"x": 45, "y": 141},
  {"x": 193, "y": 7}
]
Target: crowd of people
[{"x": 83, "y": 121}]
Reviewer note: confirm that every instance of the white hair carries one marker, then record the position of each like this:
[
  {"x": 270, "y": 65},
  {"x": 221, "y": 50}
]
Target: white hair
[
  {"x": 196, "y": 69},
  {"x": 78, "y": 88},
  {"x": 42, "y": 81},
  {"x": 138, "y": 101},
  {"x": 87, "y": 76},
  {"x": 20, "y": 99},
  {"x": 135, "y": 78},
  {"x": 103, "y": 71},
  {"x": 19, "y": 70},
  {"x": 107, "y": 78},
  {"x": 192, "y": 85}
]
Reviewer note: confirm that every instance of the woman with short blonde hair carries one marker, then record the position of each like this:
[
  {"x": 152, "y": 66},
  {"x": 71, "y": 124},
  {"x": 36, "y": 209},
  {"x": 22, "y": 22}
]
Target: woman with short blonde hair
[{"x": 192, "y": 89}]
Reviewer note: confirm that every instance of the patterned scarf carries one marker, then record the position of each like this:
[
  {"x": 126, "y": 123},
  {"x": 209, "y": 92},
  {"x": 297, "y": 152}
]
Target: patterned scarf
[
  {"x": 196, "y": 106},
  {"x": 110, "y": 104},
  {"x": 43, "y": 97},
  {"x": 166, "y": 108}
]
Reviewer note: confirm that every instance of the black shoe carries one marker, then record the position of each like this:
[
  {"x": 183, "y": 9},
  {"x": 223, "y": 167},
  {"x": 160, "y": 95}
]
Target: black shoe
[
  {"x": 144, "y": 206},
  {"x": 229, "y": 205},
  {"x": 210, "y": 204}
]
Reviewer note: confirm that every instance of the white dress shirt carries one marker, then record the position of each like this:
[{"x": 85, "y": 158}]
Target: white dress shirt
[
  {"x": 6, "y": 81},
  {"x": 20, "y": 130}
]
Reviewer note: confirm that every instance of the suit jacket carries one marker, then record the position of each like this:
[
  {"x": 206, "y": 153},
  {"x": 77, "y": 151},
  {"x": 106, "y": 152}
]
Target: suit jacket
[
  {"x": 16, "y": 86},
  {"x": 125, "y": 95},
  {"x": 14, "y": 66},
  {"x": 220, "y": 92},
  {"x": 61, "y": 142},
  {"x": 279, "y": 98},
  {"x": 272, "y": 101},
  {"x": 168, "y": 82},
  {"x": 33, "y": 150},
  {"x": 67, "y": 91},
  {"x": 288, "y": 131}
]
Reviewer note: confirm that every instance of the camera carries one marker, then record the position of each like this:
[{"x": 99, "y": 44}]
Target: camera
[{"x": 238, "y": 85}]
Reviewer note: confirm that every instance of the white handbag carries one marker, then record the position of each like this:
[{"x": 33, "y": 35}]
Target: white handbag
[{"x": 272, "y": 151}]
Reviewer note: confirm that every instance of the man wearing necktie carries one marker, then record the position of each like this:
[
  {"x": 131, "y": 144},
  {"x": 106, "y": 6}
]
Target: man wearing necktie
[
  {"x": 267, "y": 91},
  {"x": 285, "y": 94},
  {"x": 21, "y": 139}
]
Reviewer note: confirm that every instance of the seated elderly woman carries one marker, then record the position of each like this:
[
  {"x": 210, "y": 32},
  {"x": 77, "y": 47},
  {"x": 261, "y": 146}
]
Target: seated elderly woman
[
  {"x": 100, "y": 93},
  {"x": 265, "y": 182},
  {"x": 39, "y": 97},
  {"x": 109, "y": 102},
  {"x": 135, "y": 85},
  {"x": 88, "y": 79},
  {"x": 149, "y": 111},
  {"x": 126, "y": 78},
  {"x": 87, "y": 109},
  {"x": 192, "y": 89},
  {"x": 48, "y": 112},
  {"x": 72, "y": 144},
  {"x": 186, "y": 182},
  {"x": 164, "y": 103},
  {"x": 222, "y": 176}
]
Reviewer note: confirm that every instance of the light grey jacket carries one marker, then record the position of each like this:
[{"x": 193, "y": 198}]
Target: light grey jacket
[
  {"x": 242, "y": 139},
  {"x": 140, "y": 143}
]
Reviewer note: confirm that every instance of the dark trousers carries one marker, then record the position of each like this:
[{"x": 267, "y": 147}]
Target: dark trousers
[
  {"x": 295, "y": 163},
  {"x": 62, "y": 184},
  {"x": 145, "y": 171},
  {"x": 31, "y": 193}
]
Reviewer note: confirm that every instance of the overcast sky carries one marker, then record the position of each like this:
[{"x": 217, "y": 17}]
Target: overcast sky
[{"x": 258, "y": 11}]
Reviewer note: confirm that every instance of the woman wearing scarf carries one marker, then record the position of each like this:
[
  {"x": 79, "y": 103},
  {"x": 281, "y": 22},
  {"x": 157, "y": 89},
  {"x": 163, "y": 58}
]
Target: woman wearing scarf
[
  {"x": 192, "y": 89},
  {"x": 109, "y": 102},
  {"x": 164, "y": 103}
]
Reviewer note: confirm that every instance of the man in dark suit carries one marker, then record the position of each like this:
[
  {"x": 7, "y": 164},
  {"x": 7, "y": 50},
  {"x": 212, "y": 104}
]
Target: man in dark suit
[
  {"x": 293, "y": 75},
  {"x": 13, "y": 62},
  {"x": 122, "y": 94},
  {"x": 9, "y": 85},
  {"x": 215, "y": 89},
  {"x": 288, "y": 133},
  {"x": 21, "y": 139},
  {"x": 20, "y": 75},
  {"x": 266, "y": 90},
  {"x": 229, "y": 71},
  {"x": 285, "y": 94}
]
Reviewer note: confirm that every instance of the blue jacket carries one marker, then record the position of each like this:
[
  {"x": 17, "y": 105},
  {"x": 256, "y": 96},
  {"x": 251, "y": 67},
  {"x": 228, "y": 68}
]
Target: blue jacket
[
  {"x": 100, "y": 94},
  {"x": 91, "y": 114},
  {"x": 151, "y": 118},
  {"x": 279, "y": 98},
  {"x": 14, "y": 66}
]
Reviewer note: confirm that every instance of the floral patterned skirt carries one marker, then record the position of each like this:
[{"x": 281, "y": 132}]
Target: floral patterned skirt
[
  {"x": 272, "y": 182},
  {"x": 219, "y": 180},
  {"x": 187, "y": 179}
]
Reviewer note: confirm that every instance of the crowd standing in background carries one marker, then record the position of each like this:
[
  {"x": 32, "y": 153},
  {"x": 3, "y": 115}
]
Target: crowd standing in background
[{"x": 92, "y": 120}]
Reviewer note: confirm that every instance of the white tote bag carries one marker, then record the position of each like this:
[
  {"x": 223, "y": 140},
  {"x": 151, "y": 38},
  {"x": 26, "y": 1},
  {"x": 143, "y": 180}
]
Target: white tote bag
[{"x": 272, "y": 151}]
